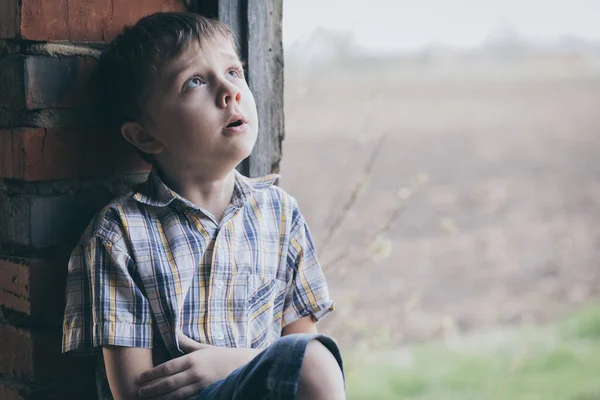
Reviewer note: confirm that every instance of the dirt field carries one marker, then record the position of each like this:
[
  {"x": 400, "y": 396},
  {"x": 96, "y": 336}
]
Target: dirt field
[{"x": 487, "y": 176}]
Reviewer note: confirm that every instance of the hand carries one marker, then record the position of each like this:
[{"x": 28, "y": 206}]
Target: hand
[{"x": 187, "y": 375}]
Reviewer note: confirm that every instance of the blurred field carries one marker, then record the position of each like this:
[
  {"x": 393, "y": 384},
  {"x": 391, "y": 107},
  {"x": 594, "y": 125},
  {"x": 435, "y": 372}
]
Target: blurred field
[
  {"x": 479, "y": 211},
  {"x": 555, "y": 362}
]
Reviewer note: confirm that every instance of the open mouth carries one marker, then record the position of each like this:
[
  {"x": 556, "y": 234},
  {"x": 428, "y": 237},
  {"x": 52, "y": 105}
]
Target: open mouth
[{"x": 235, "y": 123}]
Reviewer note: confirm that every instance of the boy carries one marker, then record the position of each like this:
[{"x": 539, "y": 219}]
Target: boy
[{"x": 198, "y": 260}]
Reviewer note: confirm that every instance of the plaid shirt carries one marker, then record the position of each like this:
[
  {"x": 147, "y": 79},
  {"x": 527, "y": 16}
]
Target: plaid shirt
[{"x": 152, "y": 263}]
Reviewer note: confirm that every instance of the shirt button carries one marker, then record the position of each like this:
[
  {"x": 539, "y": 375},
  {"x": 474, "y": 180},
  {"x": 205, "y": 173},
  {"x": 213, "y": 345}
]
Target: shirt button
[
  {"x": 219, "y": 336},
  {"x": 219, "y": 285}
]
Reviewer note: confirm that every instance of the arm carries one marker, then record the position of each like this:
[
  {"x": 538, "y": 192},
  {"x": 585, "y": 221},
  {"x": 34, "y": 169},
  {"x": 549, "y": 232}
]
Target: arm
[
  {"x": 302, "y": 325},
  {"x": 124, "y": 366},
  {"x": 98, "y": 315},
  {"x": 187, "y": 375},
  {"x": 307, "y": 299},
  {"x": 202, "y": 365}
]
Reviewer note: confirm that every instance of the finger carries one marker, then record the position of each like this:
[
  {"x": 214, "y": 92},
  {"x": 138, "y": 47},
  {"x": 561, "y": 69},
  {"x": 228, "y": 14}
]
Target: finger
[
  {"x": 168, "y": 368},
  {"x": 167, "y": 385},
  {"x": 185, "y": 392}
]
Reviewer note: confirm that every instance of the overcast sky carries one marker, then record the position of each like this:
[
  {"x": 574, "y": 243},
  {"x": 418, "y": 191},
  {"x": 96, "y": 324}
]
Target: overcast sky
[{"x": 409, "y": 24}]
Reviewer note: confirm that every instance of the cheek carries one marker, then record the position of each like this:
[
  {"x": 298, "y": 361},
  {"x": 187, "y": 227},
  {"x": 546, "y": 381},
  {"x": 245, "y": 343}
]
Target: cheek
[
  {"x": 188, "y": 115},
  {"x": 250, "y": 104},
  {"x": 164, "y": 114},
  {"x": 182, "y": 120}
]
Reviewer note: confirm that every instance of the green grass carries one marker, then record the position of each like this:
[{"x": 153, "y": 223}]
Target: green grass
[{"x": 557, "y": 362}]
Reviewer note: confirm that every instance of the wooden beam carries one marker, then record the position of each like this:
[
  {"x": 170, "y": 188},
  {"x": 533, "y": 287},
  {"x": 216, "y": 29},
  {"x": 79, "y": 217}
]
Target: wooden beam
[{"x": 265, "y": 76}]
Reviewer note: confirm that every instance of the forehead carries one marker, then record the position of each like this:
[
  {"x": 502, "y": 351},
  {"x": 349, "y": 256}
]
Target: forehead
[{"x": 196, "y": 53}]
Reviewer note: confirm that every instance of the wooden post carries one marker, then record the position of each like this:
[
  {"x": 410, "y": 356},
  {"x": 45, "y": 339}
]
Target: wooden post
[{"x": 257, "y": 26}]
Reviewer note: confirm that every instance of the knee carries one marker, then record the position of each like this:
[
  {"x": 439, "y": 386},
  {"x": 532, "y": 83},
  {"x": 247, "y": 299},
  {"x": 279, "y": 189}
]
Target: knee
[{"x": 320, "y": 376}]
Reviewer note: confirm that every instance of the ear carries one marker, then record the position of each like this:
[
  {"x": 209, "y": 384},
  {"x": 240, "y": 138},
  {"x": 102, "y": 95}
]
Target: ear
[{"x": 135, "y": 134}]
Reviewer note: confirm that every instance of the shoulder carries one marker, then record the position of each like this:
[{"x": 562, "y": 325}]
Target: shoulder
[
  {"x": 280, "y": 206},
  {"x": 279, "y": 202},
  {"x": 282, "y": 196},
  {"x": 110, "y": 224},
  {"x": 265, "y": 190}
]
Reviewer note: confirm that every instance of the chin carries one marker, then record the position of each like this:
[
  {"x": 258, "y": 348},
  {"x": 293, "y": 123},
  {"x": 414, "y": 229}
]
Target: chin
[
  {"x": 246, "y": 153},
  {"x": 242, "y": 148},
  {"x": 242, "y": 152},
  {"x": 249, "y": 143}
]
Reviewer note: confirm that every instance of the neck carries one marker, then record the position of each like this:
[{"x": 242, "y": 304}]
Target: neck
[{"x": 211, "y": 193}]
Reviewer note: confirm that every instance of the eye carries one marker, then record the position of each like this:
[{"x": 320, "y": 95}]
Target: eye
[
  {"x": 236, "y": 72},
  {"x": 192, "y": 83}
]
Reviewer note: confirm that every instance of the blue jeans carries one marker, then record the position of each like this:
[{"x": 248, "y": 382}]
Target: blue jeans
[{"x": 273, "y": 374}]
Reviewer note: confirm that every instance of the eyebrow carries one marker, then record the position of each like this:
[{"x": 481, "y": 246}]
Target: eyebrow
[
  {"x": 232, "y": 57},
  {"x": 172, "y": 77}
]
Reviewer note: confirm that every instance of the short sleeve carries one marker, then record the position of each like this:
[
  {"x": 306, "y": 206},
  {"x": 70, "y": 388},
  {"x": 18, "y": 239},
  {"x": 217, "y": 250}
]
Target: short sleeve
[
  {"x": 104, "y": 305},
  {"x": 308, "y": 293}
]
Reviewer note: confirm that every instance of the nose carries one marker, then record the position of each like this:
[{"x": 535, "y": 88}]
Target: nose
[{"x": 229, "y": 93}]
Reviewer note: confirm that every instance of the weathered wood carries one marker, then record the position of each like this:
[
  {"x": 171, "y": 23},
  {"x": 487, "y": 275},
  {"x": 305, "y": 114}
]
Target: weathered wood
[
  {"x": 257, "y": 27},
  {"x": 234, "y": 14},
  {"x": 265, "y": 76}
]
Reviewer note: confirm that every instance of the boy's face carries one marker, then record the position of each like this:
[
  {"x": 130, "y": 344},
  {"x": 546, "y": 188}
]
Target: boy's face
[{"x": 201, "y": 110}]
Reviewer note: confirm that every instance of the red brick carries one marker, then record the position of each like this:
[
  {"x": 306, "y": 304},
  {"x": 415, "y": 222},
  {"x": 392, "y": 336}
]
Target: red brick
[
  {"x": 9, "y": 393},
  {"x": 12, "y": 85},
  {"x": 37, "y": 82},
  {"x": 53, "y": 82},
  {"x": 12, "y": 389},
  {"x": 16, "y": 360},
  {"x": 33, "y": 287},
  {"x": 44, "y": 221},
  {"x": 37, "y": 154},
  {"x": 77, "y": 20},
  {"x": 36, "y": 355}
]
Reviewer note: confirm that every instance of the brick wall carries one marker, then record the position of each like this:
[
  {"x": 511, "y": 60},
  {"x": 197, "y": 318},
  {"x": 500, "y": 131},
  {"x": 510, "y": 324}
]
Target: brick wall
[{"x": 58, "y": 166}]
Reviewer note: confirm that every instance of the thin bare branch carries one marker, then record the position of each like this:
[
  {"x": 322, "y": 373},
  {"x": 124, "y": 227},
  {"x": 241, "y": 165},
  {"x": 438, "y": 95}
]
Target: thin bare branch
[
  {"x": 384, "y": 228},
  {"x": 356, "y": 193}
]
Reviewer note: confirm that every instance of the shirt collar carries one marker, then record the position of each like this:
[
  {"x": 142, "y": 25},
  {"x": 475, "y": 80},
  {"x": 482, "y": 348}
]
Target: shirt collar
[
  {"x": 155, "y": 193},
  {"x": 245, "y": 187}
]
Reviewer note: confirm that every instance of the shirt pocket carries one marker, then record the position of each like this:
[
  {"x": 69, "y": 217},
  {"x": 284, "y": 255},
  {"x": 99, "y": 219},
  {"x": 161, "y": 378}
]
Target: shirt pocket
[{"x": 266, "y": 297}]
